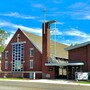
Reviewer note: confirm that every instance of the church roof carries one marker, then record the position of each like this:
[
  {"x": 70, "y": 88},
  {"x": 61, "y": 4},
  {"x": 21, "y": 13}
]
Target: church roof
[
  {"x": 77, "y": 46},
  {"x": 37, "y": 41}
]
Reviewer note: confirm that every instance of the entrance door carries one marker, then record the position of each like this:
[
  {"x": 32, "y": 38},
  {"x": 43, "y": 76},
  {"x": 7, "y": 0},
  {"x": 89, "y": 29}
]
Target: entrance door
[
  {"x": 60, "y": 73},
  {"x": 31, "y": 75},
  {"x": 72, "y": 70}
]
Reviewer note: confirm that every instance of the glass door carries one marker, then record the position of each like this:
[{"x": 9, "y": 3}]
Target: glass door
[{"x": 31, "y": 75}]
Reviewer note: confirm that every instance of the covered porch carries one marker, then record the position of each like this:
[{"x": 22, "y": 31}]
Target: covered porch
[{"x": 65, "y": 69}]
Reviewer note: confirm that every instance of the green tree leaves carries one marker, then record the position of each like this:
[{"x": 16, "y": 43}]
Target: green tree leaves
[{"x": 3, "y": 37}]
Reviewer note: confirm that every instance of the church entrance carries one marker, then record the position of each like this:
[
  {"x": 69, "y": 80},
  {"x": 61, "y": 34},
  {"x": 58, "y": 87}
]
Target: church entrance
[{"x": 60, "y": 72}]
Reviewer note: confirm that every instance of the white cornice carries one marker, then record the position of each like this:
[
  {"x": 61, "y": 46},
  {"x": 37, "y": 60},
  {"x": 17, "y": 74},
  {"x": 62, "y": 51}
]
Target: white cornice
[
  {"x": 64, "y": 64},
  {"x": 18, "y": 43}
]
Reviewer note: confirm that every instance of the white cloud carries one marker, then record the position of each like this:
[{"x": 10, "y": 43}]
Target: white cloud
[
  {"x": 9, "y": 38},
  {"x": 86, "y": 17},
  {"x": 75, "y": 14},
  {"x": 37, "y": 31},
  {"x": 33, "y": 30},
  {"x": 57, "y": 1},
  {"x": 55, "y": 32},
  {"x": 3, "y": 23},
  {"x": 15, "y": 26},
  {"x": 75, "y": 32},
  {"x": 80, "y": 10},
  {"x": 38, "y": 5},
  {"x": 18, "y": 15},
  {"x": 78, "y": 5},
  {"x": 54, "y": 9},
  {"x": 42, "y": 21},
  {"x": 61, "y": 23},
  {"x": 52, "y": 14},
  {"x": 77, "y": 36}
]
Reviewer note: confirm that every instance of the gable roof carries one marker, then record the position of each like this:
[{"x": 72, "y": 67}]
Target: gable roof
[
  {"x": 37, "y": 41},
  {"x": 77, "y": 46}
]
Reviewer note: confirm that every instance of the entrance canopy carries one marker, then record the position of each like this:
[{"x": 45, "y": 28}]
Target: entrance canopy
[{"x": 64, "y": 62}]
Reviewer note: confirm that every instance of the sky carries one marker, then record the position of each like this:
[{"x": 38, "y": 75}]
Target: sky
[{"x": 72, "y": 18}]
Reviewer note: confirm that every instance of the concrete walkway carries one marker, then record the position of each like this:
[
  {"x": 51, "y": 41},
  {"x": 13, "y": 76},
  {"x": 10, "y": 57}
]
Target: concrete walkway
[
  {"x": 56, "y": 81},
  {"x": 67, "y": 82}
]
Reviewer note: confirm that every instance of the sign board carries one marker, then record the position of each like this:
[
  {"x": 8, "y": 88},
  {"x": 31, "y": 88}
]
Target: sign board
[
  {"x": 47, "y": 75},
  {"x": 81, "y": 76},
  {"x": 50, "y": 69}
]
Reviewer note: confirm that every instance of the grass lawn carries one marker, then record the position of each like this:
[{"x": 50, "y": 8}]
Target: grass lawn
[
  {"x": 12, "y": 79},
  {"x": 84, "y": 82}
]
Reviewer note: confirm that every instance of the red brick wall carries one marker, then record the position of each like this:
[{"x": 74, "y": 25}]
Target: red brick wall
[
  {"x": 80, "y": 54},
  {"x": 45, "y": 43},
  {"x": 46, "y": 52},
  {"x": 37, "y": 55},
  {"x": 88, "y": 56}
]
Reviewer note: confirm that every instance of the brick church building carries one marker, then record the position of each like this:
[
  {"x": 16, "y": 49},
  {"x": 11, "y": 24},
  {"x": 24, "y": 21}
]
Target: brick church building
[
  {"x": 80, "y": 53},
  {"x": 29, "y": 56}
]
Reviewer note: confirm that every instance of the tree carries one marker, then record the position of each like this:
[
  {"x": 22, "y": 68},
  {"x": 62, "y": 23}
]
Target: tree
[
  {"x": 3, "y": 37},
  {"x": 74, "y": 44},
  {"x": 1, "y": 50}
]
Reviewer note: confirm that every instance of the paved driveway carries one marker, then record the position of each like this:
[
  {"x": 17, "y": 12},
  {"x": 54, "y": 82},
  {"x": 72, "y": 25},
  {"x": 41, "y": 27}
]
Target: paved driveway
[{"x": 15, "y": 85}]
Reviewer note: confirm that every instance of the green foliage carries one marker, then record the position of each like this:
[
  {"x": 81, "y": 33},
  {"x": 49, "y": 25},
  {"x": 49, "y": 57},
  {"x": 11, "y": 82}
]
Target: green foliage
[
  {"x": 1, "y": 48},
  {"x": 3, "y": 37},
  {"x": 84, "y": 82},
  {"x": 74, "y": 44},
  {"x": 11, "y": 78},
  {"x": 2, "y": 31}
]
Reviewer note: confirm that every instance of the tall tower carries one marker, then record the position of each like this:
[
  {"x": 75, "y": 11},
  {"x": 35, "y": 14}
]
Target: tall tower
[{"x": 46, "y": 46}]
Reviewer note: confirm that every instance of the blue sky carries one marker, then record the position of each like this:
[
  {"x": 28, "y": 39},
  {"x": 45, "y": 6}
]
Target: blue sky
[{"x": 72, "y": 16}]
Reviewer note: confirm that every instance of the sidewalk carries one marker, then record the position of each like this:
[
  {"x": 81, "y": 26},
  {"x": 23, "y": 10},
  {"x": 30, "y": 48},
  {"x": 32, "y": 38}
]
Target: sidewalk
[
  {"x": 67, "y": 82},
  {"x": 56, "y": 81}
]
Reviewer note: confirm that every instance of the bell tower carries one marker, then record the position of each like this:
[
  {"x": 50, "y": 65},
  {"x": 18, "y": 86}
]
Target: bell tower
[{"x": 46, "y": 46}]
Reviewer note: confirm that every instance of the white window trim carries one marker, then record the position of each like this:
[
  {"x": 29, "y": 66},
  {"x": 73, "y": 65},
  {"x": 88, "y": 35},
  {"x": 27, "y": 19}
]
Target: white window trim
[
  {"x": 18, "y": 43},
  {"x": 31, "y": 67},
  {"x": 30, "y": 52},
  {"x": 6, "y": 66},
  {"x": 6, "y": 55}
]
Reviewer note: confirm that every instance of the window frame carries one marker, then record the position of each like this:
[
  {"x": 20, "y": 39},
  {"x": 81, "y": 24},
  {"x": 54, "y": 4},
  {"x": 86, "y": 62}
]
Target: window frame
[
  {"x": 17, "y": 57},
  {"x": 31, "y": 64},
  {"x": 6, "y": 64},
  {"x": 31, "y": 55},
  {"x": 6, "y": 54}
]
